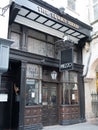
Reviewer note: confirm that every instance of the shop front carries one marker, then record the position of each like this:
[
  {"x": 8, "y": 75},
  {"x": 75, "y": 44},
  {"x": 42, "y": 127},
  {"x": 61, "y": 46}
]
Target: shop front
[{"x": 44, "y": 79}]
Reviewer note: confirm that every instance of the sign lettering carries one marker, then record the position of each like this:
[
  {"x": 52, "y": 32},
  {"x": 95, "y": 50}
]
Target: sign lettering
[
  {"x": 56, "y": 17},
  {"x": 66, "y": 66}
]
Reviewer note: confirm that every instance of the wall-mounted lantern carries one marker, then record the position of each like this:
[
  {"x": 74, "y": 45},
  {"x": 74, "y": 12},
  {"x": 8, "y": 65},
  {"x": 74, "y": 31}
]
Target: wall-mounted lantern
[
  {"x": 54, "y": 75},
  {"x": 4, "y": 54}
]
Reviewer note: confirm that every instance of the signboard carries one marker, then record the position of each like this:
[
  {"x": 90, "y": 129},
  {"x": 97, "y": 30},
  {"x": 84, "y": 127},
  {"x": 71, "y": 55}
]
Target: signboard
[
  {"x": 66, "y": 62},
  {"x": 33, "y": 71},
  {"x": 47, "y": 13},
  {"x": 3, "y": 97}
]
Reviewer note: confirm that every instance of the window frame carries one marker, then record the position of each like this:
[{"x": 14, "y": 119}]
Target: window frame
[
  {"x": 72, "y": 94},
  {"x": 32, "y": 97},
  {"x": 70, "y": 6},
  {"x": 94, "y": 6},
  {"x": 34, "y": 72}
]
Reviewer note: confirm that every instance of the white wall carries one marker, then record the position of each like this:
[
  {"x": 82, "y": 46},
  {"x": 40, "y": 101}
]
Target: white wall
[{"x": 4, "y": 19}]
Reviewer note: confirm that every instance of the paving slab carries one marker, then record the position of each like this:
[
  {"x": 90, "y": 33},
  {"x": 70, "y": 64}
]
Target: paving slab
[{"x": 80, "y": 126}]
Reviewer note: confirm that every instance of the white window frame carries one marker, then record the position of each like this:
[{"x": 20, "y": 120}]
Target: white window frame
[
  {"x": 74, "y": 9},
  {"x": 94, "y": 5}
]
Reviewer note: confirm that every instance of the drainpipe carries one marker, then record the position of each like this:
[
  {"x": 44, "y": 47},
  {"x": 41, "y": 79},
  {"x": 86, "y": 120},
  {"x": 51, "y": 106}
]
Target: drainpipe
[{"x": 88, "y": 61}]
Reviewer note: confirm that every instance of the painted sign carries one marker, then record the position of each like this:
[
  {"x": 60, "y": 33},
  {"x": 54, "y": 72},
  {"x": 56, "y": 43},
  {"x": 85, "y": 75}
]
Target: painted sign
[
  {"x": 66, "y": 62},
  {"x": 56, "y": 17},
  {"x": 39, "y": 9}
]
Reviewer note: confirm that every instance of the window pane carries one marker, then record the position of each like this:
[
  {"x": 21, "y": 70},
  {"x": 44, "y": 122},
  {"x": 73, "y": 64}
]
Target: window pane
[
  {"x": 16, "y": 38},
  {"x": 36, "y": 46},
  {"x": 75, "y": 57},
  {"x": 73, "y": 77},
  {"x": 94, "y": 1},
  {"x": 32, "y": 92},
  {"x": 70, "y": 88},
  {"x": 70, "y": 93},
  {"x": 45, "y": 96},
  {"x": 53, "y": 95},
  {"x": 96, "y": 12},
  {"x": 71, "y": 4}
]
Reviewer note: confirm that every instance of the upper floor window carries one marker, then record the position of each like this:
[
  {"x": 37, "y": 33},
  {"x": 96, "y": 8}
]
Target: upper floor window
[
  {"x": 71, "y": 4},
  {"x": 95, "y": 8},
  {"x": 94, "y": 1}
]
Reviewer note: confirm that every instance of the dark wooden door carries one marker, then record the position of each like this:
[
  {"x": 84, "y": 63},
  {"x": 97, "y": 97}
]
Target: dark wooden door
[{"x": 49, "y": 102}]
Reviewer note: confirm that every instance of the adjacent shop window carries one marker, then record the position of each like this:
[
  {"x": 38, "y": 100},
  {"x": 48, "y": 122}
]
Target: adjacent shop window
[
  {"x": 71, "y": 4},
  {"x": 95, "y": 8},
  {"x": 33, "y": 85},
  {"x": 70, "y": 88},
  {"x": 97, "y": 82}
]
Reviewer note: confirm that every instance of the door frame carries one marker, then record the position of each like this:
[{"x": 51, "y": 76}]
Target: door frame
[{"x": 50, "y": 108}]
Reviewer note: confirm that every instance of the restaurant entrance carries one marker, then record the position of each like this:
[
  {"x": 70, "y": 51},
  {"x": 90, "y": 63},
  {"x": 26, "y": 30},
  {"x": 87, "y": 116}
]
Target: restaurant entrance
[
  {"x": 9, "y": 105},
  {"x": 50, "y": 104}
]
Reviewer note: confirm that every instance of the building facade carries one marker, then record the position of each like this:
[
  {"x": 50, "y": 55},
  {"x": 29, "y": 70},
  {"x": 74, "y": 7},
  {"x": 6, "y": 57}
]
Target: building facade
[
  {"x": 44, "y": 81},
  {"x": 90, "y": 61}
]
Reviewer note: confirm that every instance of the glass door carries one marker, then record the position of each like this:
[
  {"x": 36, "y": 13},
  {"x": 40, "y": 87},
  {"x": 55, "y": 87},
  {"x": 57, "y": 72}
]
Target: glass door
[{"x": 49, "y": 102}]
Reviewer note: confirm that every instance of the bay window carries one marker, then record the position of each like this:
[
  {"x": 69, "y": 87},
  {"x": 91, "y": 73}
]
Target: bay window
[{"x": 70, "y": 88}]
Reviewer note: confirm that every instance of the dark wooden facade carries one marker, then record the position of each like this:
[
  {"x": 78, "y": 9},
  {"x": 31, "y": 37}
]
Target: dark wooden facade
[
  {"x": 69, "y": 114},
  {"x": 34, "y": 64}
]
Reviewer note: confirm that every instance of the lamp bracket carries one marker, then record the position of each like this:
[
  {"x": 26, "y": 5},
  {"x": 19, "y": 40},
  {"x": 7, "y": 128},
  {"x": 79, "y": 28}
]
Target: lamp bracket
[{"x": 4, "y": 9}]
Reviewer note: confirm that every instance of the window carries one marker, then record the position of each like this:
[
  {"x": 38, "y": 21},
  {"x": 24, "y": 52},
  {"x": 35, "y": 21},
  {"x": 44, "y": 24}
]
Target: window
[
  {"x": 71, "y": 4},
  {"x": 97, "y": 82},
  {"x": 40, "y": 47},
  {"x": 75, "y": 57},
  {"x": 95, "y": 8},
  {"x": 32, "y": 90},
  {"x": 33, "y": 85},
  {"x": 94, "y": 1},
  {"x": 16, "y": 38},
  {"x": 70, "y": 88}
]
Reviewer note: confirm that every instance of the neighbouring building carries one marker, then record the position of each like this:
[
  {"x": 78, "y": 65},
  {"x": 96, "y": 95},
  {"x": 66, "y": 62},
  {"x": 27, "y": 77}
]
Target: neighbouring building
[
  {"x": 44, "y": 81},
  {"x": 90, "y": 60}
]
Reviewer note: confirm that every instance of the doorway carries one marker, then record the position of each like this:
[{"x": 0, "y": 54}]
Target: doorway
[
  {"x": 9, "y": 109},
  {"x": 50, "y": 104}
]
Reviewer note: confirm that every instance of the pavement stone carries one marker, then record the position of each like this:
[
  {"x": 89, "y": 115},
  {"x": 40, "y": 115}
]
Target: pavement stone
[{"x": 80, "y": 126}]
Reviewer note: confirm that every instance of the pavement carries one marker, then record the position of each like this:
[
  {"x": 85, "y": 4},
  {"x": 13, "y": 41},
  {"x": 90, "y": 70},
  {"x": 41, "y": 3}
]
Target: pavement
[{"x": 91, "y": 125}]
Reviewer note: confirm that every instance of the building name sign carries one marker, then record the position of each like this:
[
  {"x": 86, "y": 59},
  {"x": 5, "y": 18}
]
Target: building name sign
[
  {"x": 39, "y": 9},
  {"x": 66, "y": 62},
  {"x": 66, "y": 66},
  {"x": 56, "y": 17}
]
